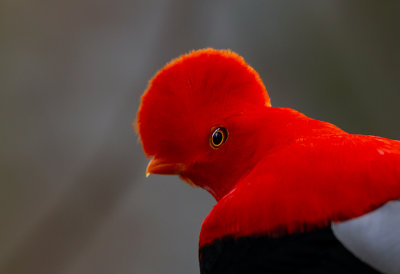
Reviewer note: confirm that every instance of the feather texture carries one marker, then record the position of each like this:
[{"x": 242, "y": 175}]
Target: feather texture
[{"x": 308, "y": 184}]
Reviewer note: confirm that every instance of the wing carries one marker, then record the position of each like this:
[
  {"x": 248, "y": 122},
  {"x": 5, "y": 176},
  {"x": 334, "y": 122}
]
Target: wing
[{"x": 312, "y": 252}]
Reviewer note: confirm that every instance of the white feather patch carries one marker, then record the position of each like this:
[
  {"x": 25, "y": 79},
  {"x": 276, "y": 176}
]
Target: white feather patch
[{"x": 374, "y": 238}]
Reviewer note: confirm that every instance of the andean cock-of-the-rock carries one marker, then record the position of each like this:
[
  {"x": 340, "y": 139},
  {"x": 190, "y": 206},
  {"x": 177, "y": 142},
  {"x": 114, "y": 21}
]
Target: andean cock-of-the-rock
[{"x": 293, "y": 194}]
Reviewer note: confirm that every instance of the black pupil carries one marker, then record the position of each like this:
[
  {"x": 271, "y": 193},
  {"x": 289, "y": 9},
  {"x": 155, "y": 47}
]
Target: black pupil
[{"x": 217, "y": 138}]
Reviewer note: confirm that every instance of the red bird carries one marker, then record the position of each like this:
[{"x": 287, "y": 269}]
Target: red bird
[{"x": 294, "y": 194}]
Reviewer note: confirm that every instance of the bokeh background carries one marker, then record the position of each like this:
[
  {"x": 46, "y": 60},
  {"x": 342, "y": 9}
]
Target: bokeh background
[{"x": 73, "y": 195}]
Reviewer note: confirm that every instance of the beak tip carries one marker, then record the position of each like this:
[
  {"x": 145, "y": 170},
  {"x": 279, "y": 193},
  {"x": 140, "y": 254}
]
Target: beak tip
[{"x": 147, "y": 174}]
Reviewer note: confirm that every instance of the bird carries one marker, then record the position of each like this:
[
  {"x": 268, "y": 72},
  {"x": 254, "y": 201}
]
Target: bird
[{"x": 293, "y": 194}]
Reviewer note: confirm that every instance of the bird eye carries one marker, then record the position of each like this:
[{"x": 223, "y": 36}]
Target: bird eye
[{"x": 218, "y": 137}]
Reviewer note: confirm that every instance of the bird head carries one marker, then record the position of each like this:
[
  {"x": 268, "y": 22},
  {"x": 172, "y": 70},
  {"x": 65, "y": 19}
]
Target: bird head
[{"x": 196, "y": 119}]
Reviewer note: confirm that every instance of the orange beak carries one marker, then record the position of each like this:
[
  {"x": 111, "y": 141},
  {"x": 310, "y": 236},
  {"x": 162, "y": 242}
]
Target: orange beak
[{"x": 160, "y": 166}]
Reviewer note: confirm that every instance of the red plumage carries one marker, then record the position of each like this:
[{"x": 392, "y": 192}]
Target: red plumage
[
  {"x": 296, "y": 188},
  {"x": 279, "y": 171}
]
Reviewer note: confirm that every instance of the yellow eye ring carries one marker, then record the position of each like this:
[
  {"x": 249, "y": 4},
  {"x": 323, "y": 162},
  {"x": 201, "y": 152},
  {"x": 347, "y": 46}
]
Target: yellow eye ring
[{"x": 218, "y": 137}]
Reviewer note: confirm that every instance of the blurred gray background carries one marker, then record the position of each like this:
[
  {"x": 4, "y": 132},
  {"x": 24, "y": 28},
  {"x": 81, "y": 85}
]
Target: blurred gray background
[{"x": 73, "y": 195}]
